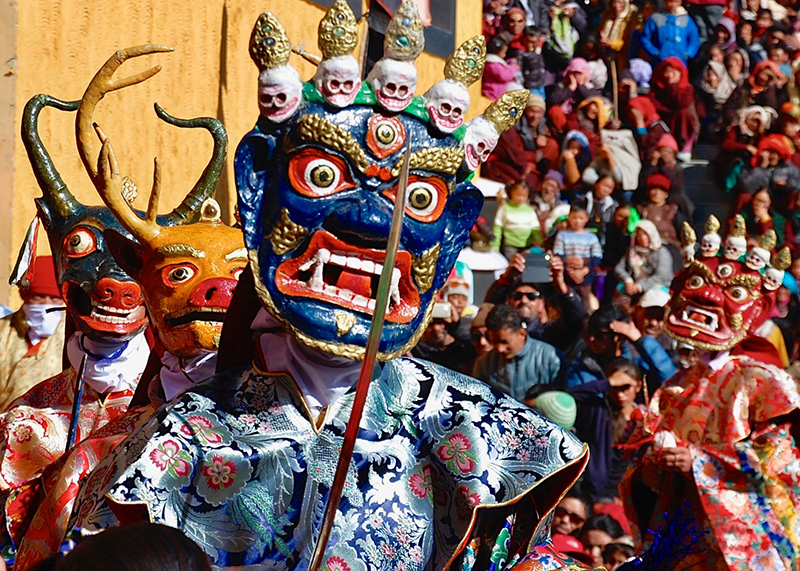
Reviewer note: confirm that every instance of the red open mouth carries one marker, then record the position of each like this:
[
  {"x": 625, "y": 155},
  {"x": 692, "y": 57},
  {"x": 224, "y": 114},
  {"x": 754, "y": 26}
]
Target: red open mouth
[
  {"x": 104, "y": 316},
  {"x": 708, "y": 321},
  {"x": 347, "y": 276}
]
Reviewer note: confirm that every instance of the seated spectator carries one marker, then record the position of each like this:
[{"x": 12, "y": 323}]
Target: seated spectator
[
  {"x": 617, "y": 23},
  {"x": 666, "y": 217},
  {"x": 456, "y": 292},
  {"x": 576, "y": 156},
  {"x": 647, "y": 265},
  {"x": 737, "y": 64},
  {"x": 581, "y": 252},
  {"x": 674, "y": 99},
  {"x": 600, "y": 205},
  {"x": 751, "y": 46},
  {"x": 763, "y": 88},
  {"x": 714, "y": 48},
  {"x": 648, "y": 316},
  {"x": 548, "y": 196},
  {"x": 646, "y": 123},
  {"x": 663, "y": 160},
  {"x": 772, "y": 169},
  {"x": 604, "y": 162},
  {"x": 531, "y": 61},
  {"x": 716, "y": 87},
  {"x": 625, "y": 381},
  {"x": 671, "y": 33},
  {"x": 493, "y": 13},
  {"x": 440, "y": 347},
  {"x": 571, "y": 514},
  {"x": 740, "y": 144},
  {"x": 498, "y": 74},
  {"x": 600, "y": 531},
  {"x": 565, "y": 21},
  {"x": 571, "y": 90},
  {"x": 525, "y": 150},
  {"x": 760, "y": 216},
  {"x": 513, "y": 31},
  {"x": 517, "y": 361},
  {"x": 617, "y": 553},
  {"x": 516, "y": 224},
  {"x": 557, "y": 406}
]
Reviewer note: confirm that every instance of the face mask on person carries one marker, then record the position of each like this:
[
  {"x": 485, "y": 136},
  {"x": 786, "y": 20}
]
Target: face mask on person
[{"x": 42, "y": 323}]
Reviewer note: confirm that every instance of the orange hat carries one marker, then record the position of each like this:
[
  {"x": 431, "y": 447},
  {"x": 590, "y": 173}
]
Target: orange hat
[
  {"x": 43, "y": 281},
  {"x": 668, "y": 140}
]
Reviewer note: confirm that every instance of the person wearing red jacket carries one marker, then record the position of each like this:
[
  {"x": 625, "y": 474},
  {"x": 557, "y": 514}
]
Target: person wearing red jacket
[{"x": 674, "y": 100}]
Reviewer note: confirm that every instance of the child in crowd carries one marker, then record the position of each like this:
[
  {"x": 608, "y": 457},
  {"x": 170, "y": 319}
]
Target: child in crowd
[
  {"x": 498, "y": 74},
  {"x": 580, "y": 250},
  {"x": 600, "y": 205},
  {"x": 516, "y": 225},
  {"x": 665, "y": 216},
  {"x": 531, "y": 61}
]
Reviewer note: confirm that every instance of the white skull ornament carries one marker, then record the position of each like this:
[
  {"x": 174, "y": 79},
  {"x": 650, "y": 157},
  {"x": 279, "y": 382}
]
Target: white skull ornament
[
  {"x": 338, "y": 80},
  {"x": 479, "y": 142},
  {"x": 280, "y": 92},
  {"x": 757, "y": 258},
  {"x": 394, "y": 83},
  {"x": 447, "y": 102},
  {"x": 735, "y": 247},
  {"x": 773, "y": 278},
  {"x": 709, "y": 245}
]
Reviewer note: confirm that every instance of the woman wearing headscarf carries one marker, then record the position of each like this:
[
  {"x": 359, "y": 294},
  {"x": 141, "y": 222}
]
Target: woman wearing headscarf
[
  {"x": 763, "y": 87},
  {"x": 722, "y": 41},
  {"x": 572, "y": 88},
  {"x": 674, "y": 99},
  {"x": 617, "y": 24},
  {"x": 741, "y": 142},
  {"x": 647, "y": 264},
  {"x": 716, "y": 87},
  {"x": 772, "y": 168},
  {"x": 575, "y": 157},
  {"x": 737, "y": 64}
]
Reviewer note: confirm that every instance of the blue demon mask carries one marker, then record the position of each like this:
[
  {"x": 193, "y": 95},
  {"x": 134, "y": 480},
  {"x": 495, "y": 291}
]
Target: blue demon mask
[{"x": 316, "y": 194}]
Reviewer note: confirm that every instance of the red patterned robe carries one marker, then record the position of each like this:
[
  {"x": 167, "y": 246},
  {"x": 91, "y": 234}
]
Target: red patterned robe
[
  {"x": 739, "y": 422},
  {"x": 33, "y": 435}
]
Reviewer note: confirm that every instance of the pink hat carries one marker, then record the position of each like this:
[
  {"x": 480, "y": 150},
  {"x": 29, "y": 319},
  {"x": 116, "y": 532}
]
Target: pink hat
[{"x": 668, "y": 141}]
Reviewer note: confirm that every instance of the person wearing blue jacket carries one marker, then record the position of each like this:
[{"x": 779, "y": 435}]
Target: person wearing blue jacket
[
  {"x": 670, "y": 34},
  {"x": 609, "y": 335}
]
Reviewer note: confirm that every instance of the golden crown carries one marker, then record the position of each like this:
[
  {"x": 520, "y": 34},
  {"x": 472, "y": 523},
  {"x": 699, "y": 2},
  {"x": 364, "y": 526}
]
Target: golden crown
[
  {"x": 465, "y": 65},
  {"x": 269, "y": 44},
  {"x": 338, "y": 31}
]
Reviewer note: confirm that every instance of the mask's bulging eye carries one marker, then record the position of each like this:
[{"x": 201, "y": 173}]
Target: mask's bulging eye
[
  {"x": 80, "y": 242},
  {"x": 738, "y": 293},
  {"x": 425, "y": 197},
  {"x": 315, "y": 173},
  {"x": 695, "y": 282},
  {"x": 178, "y": 274},
  {"x": 725, "y": 271}
]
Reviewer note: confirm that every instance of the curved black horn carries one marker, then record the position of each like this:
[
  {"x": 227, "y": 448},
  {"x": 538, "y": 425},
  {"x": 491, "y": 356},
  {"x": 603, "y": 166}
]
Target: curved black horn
[
  {"x": 55, "y": 191},
  {"x": 188, "y": 211}
]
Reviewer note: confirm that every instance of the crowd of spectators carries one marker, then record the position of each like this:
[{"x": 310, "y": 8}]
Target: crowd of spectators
[{"x": 595, "y": 177}]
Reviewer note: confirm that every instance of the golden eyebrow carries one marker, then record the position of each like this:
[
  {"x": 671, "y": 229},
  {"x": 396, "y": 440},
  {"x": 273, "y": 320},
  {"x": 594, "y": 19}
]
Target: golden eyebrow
[
  {"x": 237, "y": 254},
  {"x": 174, "y": 250},
  {"x": 701, "y": 268},
  {"x": 744, "y": 280},
  {"x": 436, "y": 159},
  {"x": 315, "y": 129}
]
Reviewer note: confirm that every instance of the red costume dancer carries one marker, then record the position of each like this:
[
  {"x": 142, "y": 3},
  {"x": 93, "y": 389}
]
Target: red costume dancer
[{"x": 721, "y": 435}]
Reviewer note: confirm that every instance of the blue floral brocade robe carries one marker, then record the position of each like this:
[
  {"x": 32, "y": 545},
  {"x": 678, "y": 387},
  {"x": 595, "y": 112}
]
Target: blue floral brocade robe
[{"x": 240, "y": 466}]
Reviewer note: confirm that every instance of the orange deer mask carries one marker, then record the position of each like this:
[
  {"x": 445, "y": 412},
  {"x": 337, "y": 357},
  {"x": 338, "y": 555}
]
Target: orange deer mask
[{"x": 187, "y": 272}]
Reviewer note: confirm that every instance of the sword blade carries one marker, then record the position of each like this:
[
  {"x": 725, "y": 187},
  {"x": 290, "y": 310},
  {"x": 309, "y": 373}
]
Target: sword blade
[{"x": 367, "y": 366}]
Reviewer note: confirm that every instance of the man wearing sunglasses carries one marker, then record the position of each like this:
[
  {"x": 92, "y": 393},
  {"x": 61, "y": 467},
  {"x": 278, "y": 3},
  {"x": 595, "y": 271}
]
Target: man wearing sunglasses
[{"x": 555, "y": 317}]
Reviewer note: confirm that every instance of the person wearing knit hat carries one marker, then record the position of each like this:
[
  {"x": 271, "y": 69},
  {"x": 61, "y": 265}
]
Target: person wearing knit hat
[
  {"x": 536, "y": 100},
  {"x": 32, "y": 338},
  {"x": 558, "y": 406}
]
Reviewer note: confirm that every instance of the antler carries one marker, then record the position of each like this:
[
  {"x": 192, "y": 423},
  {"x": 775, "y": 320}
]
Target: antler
[
  {"x": 100, "y": 85},
  {"x": 55, "y": 192},
  {"x": 110, "y": 189},
  {"x": 188, "y": 210}
]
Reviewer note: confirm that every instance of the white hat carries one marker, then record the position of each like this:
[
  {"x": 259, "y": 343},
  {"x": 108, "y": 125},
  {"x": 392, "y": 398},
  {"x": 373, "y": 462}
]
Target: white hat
[{"x": 655, "y": 297}]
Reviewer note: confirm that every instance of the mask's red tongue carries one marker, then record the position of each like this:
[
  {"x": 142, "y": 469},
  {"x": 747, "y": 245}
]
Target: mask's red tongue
[
  {"x": 695, "y": 316},
  {"x": 359, "y": 284}
]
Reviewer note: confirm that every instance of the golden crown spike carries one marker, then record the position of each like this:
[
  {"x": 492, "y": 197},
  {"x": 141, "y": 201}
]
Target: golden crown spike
[
  {"x": 338, "y": 31},
  {"x": 768, "y": 240},
  {"x": 269, "y": 44},
  {"x": 712, "y": 225},
  {"x": 738, "y": 226},
  {"x": 688, "y": 235},
  {"x": 782, "y": 259},
  {"x": 506, "y": 111},
  {"x": 465, "y": 65},
  {"x": 404, "y": 39}
]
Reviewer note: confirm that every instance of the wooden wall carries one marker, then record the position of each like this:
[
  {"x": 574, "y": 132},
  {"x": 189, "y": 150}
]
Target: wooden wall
[{"x": 56, "y": 46}]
